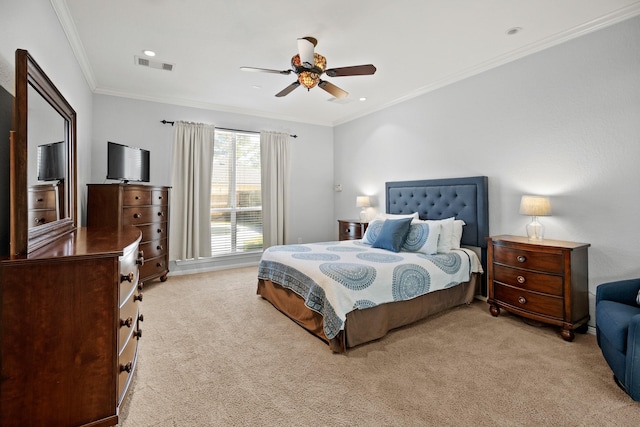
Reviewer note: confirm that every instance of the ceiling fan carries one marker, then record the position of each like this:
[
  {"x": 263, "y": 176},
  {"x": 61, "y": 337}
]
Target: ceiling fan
[{"x": 309, "y": 66}]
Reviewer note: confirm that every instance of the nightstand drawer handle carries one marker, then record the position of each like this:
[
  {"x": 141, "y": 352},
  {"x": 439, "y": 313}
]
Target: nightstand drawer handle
[
  {"x": 521, "y": 258},
  {"x": 522, "y": 300},
  {"x": 520, "y": 279}
]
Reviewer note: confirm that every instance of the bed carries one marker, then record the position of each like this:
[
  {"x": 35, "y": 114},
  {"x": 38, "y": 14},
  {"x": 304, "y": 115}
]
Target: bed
[{"x": 288, "y": 275}]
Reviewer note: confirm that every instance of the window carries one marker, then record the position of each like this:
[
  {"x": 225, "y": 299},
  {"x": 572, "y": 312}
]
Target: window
[{"x": 236, "y": 200}]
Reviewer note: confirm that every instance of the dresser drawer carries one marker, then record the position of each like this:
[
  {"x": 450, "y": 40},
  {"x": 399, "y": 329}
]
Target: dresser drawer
[
  {"x": 136, "y": 197},
  {"x": 144, "y": 214},
  {"x": 153, "y": 231},
  {"x": 154, "y": 248},
  {"x": 42, "y": 199},
  {"x": 128, "y": 320},
  {"x": 160, "y": 197},
  {"x": 126, "y": 365},
  {"x": 40, "y": 217},
  {"x": 528, "y": 280},
  {"x": 153, "y": 266},
  {"x": 521, "y": 299},
  {"x": 540, "y": 261}
]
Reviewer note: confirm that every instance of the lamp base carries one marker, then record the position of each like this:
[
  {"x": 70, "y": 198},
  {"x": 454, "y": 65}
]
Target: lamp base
[
  {"x": 535, "y": 230},
  {"x": 363, "y": 215}
]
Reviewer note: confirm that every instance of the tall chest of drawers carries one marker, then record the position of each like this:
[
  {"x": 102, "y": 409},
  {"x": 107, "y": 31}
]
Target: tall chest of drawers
[
  {"x": 70, "y": 315},
  {"x": 143, "y": 206},
  {"x": 44, "y": 203},
  {"x": 547, "y": 281}
]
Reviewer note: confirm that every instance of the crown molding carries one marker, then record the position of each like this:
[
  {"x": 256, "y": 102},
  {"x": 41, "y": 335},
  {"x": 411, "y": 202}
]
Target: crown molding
[{"x": 70, "y": 30}]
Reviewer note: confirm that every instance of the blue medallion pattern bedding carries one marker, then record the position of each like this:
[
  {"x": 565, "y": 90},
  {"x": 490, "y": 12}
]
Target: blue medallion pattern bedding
[{"x": 335, "y": 278}]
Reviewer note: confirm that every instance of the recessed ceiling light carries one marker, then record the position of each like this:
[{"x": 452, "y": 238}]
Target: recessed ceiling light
[
  {"x": 149, "y": 52},
  {"x": 363, "y": 99},
  {"x": 256, "y": 87},
  {"x": 513, "y": 31}
]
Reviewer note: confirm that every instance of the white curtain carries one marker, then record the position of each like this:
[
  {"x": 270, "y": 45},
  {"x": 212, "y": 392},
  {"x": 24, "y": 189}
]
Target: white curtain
[
  {"x": 190, "y": 230},
  {"x": 275, "y": 158}
]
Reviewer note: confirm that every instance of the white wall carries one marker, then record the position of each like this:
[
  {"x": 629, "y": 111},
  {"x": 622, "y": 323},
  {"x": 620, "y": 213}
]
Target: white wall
[
  {"x": 564, "y": 122},
  {"x": 137, "y": 123},
  {"x": 33, "y": 25}
]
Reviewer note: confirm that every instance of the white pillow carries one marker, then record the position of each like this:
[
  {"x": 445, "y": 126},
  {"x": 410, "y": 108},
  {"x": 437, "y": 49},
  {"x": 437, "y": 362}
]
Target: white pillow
[
  {"x": 446, "y": 233},
  {"x": 422, "y": 237},
  {"x": 372, "y": 231},
  {"x": 384, "y": 216},
  {"x": 457, "y": 233}
]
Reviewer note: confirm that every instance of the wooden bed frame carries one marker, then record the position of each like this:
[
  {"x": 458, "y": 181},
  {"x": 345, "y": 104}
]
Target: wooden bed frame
[{"x": 463, "y": 198}]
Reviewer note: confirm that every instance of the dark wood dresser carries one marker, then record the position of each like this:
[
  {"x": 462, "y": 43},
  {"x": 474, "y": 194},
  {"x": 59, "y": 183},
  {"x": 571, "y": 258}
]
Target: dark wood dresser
[
  {"x": 547, "y": 281},
  {"x": 351, "y": 229},
  {"x": 143, "y": 206},
  {"x": 70, "y": 329}
]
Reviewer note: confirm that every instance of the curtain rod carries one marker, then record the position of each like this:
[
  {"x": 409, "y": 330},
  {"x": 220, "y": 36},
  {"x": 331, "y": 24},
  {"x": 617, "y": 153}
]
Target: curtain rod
[{"x": 166, "y": 122}]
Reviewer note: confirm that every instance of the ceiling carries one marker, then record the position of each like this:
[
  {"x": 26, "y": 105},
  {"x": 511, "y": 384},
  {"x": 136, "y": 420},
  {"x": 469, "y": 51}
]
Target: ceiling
[{"x": 416, "y": 45}]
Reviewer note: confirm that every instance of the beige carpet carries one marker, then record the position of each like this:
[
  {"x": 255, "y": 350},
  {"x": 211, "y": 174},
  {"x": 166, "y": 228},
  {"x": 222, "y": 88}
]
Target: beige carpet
[{"x": 213, "y": 353}]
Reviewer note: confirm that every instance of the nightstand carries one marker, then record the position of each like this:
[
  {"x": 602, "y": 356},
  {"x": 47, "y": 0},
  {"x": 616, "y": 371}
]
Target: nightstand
[
  {"x": 547, "y": 281},
  {"x": 351, "y": 229}
]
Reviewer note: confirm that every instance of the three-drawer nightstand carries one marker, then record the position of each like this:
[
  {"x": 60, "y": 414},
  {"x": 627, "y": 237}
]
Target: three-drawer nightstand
[
  {"x": 351, "y": 229},
  {"x": 547, "y": 281}
]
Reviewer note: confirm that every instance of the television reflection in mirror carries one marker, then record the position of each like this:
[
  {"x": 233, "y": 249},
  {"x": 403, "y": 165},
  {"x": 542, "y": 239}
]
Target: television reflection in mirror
[{"x": 52, "y": 161}]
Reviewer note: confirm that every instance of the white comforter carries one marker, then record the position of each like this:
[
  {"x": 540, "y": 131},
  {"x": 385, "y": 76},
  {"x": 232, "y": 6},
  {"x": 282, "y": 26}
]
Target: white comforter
[{"x": 335, "y": 278}]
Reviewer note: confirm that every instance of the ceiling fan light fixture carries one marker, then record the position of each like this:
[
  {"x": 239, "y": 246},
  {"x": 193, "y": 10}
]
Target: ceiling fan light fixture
[{"x": 308, "y": 79}]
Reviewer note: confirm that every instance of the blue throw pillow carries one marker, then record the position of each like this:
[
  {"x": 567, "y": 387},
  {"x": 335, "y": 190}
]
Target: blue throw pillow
[{"x": 393, "y": 234}]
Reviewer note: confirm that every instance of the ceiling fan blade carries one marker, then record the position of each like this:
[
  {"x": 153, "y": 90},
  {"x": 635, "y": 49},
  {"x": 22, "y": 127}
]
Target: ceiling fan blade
[
  {"x": 266, "y": 70},
  {"x": 356, "y": 70},
  {"x": 287, "y": 90},
  {"x": 305, "y": 50},
  {"x": 333, "y": 89}
]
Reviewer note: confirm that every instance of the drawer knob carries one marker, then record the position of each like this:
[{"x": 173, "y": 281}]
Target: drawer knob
[
  {"x": 522, "y": 300},
  {"x": 127, "y": 322},
  {"x": 159, "y": 247},
  {"x": 137, "y": 297},
  {"x": 40, "y": 200},
  {"x": 140, "y": 260},
  {"x": 138, "y": 334},
  {"x": 520, "y": 279},
  {"x": 137, "y": 197},
  {"x": 127, "y": 277},
  {"x": 39, "y": 220},
  {"x": 160, "y": 213},
  {"x": 521, "y": 258},
  {"x": 141, "y": 318},
  {"x": 159, "y": 197},
  {"x": 140, "y": 286},
  {"x": 126, "y": 368},
  {"x": 159, "y": 230},
  {"x": 137, "y": 215}
]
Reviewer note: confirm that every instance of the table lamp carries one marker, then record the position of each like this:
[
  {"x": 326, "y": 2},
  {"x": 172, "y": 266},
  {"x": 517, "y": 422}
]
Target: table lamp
[
  {"x": 363, "y": 202},
  {"x": 535, "y": 206}
]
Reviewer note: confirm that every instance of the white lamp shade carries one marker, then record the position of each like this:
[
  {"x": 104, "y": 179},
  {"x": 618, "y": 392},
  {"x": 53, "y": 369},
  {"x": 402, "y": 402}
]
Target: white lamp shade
[
  {"x": 363, "y": 201},
  {"x": 535, "y": 206}
]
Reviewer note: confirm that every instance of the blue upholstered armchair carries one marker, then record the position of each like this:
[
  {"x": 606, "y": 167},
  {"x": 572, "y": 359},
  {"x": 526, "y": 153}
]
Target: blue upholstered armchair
[{"x": 618, "y": 332}]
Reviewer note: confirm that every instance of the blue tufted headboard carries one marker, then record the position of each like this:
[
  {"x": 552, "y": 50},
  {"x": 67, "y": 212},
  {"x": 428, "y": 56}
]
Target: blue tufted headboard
[{"x": 464, "y": 198}]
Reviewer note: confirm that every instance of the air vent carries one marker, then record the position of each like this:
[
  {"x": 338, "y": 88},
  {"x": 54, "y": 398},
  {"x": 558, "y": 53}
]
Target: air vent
[{"x": 144, "y": 62}]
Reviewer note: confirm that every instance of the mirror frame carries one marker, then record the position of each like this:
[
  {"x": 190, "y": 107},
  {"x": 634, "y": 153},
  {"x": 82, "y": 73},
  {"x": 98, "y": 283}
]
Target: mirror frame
[{"x": 23, "y": 239}]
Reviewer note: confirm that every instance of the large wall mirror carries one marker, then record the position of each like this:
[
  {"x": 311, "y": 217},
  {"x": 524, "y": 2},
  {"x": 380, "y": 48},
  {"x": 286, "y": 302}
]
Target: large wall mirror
[{"x": 43, "y": 165}]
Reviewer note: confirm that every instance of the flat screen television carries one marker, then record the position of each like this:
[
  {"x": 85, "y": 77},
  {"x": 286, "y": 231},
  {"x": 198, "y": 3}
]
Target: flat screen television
[
  {"x": 126, "y": 163},
  {"x": 51, "y": 161}
]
